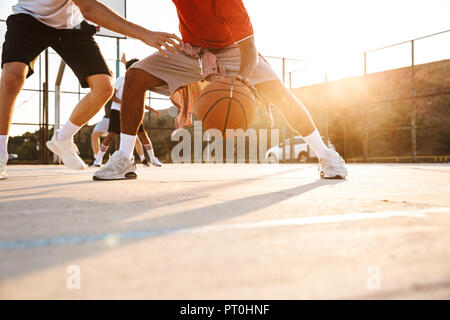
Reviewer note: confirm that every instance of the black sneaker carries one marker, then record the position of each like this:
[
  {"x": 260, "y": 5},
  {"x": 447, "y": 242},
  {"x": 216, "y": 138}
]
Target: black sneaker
[{"x": 145, "y": 163}]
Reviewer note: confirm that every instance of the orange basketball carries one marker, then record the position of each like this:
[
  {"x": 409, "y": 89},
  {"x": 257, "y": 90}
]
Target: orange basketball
[{"x": 226, "y": 104}]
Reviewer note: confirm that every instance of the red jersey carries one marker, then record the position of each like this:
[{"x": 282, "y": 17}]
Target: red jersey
[{"x": 213, "y": 23}]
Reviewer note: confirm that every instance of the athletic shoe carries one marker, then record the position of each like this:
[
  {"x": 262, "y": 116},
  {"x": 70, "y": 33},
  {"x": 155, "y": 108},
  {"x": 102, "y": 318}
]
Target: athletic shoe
[
  {"x": 92, "y": 164},
  {"x": 332, "y": 167},
  {"x": 118, "y": 167},
  {"x": 67, "y": 150},
  {"x": 155, "y": 162},
  {"x": 3, "y": 174},
  {"x": 97, "y": 164},
  {"x": 145, "y": 163}
]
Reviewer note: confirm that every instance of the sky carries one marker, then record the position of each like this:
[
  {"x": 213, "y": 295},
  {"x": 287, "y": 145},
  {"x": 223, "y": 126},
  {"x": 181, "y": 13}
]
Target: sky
[{"x": 327, "y": 35}]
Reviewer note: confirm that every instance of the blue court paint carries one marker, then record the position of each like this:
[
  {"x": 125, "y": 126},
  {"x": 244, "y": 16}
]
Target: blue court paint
[{"x": 290, "y": 222}]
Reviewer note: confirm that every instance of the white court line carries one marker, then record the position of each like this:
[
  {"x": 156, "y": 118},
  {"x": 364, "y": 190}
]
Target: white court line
[{"x": 337, "y": 218}]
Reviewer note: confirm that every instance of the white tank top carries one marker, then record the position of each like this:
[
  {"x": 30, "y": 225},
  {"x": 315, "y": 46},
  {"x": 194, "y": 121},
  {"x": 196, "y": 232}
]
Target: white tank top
[{"x": 59, "y": 14}]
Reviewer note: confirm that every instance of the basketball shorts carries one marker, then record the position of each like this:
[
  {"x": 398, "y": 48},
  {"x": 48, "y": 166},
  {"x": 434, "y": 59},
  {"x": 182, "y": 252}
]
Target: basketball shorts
[
  {"x": 26, "y": 37},
  {"x": 114, "y": 123},
  {"x": 179, "y": 70}
]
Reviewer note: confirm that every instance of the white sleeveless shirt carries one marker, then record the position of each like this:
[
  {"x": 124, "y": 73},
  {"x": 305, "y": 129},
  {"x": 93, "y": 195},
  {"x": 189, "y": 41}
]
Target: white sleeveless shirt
[{"x": 59, "y": 14}]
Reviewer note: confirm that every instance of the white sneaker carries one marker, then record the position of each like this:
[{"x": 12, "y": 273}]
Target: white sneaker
[
  {"x": 332, "y": 167},
  {"x": 155, "y": 162},
  {"x": 68, "y": 152},
  {"x": 3, "y": 174},
  {"x": 97, "y": 164},
  {"x": 118, "y": 167}
]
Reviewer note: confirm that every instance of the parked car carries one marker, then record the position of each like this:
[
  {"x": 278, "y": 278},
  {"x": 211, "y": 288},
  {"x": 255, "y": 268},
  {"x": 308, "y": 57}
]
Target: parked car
[{"x": 302, "y": 152}]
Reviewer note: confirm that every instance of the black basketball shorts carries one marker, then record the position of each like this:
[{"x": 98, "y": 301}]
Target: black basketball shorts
[
  {"x": 26, "y": 38},
  {"x": 114, "y": 122}
]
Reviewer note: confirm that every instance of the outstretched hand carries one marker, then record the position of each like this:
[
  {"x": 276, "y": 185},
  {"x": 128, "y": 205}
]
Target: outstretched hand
[
  {"x": 123, "y": 59},
  {"x": 161, "y": 40}
]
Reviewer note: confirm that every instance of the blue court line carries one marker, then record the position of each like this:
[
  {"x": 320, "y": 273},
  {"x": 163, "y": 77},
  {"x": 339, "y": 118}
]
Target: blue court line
[
  {"x": 39, "y": 243},
  {"x": 113, "y": 238}
]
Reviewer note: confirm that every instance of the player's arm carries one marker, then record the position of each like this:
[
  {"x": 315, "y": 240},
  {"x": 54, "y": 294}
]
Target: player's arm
[
  {"x": 114, "y": 97},
  {"x": 249, "y": 57},
  {"x": 235, "y": 17},
  {"x": 102, "y": 15},
  {"x": 152, "y": 110}
]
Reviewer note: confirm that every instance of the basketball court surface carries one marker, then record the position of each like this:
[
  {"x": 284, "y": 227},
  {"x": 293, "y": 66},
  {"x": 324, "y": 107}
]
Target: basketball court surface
[{"x": 236, "y": 231}]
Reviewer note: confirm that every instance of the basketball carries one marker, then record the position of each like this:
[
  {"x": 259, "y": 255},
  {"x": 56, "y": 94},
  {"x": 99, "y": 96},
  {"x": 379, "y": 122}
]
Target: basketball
[{"x": 226, "y": 104}]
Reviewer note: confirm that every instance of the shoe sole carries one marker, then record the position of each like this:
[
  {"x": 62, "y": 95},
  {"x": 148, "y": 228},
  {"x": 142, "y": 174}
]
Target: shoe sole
[
  {"x": 127, "y": 176},
  {"x": 331, "y": 178},
  {"x": 55, "y": 150}
]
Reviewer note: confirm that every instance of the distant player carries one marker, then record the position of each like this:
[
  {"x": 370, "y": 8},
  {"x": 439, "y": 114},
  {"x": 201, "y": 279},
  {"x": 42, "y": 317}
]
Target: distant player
[
  {"x": 220, "y": 36},
  {"x": 100, "y": 130},
  {"x": 38, "y": 24},
  {"x": 114, "y": 124}
]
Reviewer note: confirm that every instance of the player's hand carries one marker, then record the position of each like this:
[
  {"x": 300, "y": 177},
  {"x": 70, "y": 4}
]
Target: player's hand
[
  {"x": 157, "y": 114},
  {"x": 160, "y": 40},
  {"x": 123, "y": 59},
  {"x": 252, "y": 88}
]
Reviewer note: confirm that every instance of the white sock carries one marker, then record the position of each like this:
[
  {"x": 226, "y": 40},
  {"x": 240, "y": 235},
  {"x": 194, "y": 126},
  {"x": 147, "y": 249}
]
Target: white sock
[
  {"x": 127, "y": 143},
  {"x": 314, "y": 140},
  {"x": 4, "y": 147},
  {"x": 149, "y": 149},
  {"x": 100, "y": 154},
  {"x": 67, "y": 131},
  {"x": 142, "y": 157}
]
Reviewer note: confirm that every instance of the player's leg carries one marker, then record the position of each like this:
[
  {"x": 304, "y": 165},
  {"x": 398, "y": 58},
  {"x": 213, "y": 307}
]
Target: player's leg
[
  {"x": 25, "y": 39},
  {"x": 11, "y": 82},
  {"x": 95, "y": 142},
  {"x": 113, "y": 129},
  {"x": 148, "y": 146},
  {"x": 99, "y": 131},
  {"x": 101, "y": 91},
  {"x": 82, "y": 54},
  {"x": 299, "y": 119},
  {"x": 120, "y": 166},
  {"x": 175, "y": 71},
  {"x": 103, "y": 148},
  {"x": 62, "y": 141},
  {"x": 140, "y": 151},
  {"x": 137, "y": 82}
]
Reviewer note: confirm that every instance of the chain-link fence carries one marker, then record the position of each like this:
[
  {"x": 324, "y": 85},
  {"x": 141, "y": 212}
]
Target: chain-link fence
[{"x": 395, "y": 108}]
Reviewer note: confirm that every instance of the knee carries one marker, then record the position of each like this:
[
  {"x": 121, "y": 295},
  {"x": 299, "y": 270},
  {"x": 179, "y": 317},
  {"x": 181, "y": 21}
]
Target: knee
[
  {"x": 135, "y": 82},
  {"x": 103, "y": 89},
  {"x": 12, "y": 81},
  {"x": 96, "y": 134},
  {"x": 272, "y": 90}
]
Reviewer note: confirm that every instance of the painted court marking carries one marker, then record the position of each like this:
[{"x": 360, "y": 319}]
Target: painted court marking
[{"x": 114, "y": 238}]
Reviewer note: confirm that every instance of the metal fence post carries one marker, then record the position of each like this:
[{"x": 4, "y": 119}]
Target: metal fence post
[
  {"x": 44, "y": 127},
  {"x": 325, "y": 105},
  {"x": 290, "y": 80},
  {"x": 366, "y": 113},
  {"x": 118, "y": 58},
  {"x": 413, "y": 107}
]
